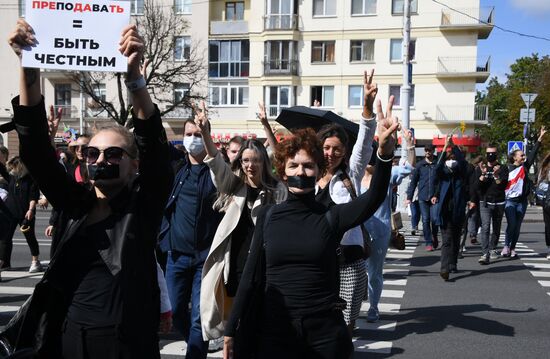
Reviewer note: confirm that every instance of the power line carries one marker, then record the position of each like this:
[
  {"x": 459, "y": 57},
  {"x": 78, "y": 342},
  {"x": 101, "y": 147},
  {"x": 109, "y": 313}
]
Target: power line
[{"x": 496, "y": 26}]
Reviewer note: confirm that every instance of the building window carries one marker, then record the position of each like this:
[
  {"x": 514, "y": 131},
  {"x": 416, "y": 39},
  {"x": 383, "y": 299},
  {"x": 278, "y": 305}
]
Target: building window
[
  {"x": 395, "y": 50},
  {"x": 395, "y": 90},
  {"x": 228, "y": 94},
  {"x": 363, "y": 7},
  {"x": 136, "y": 7},
  {"x": 234, "y": 11},
  {"x": 398, "y": 6},
  {"x": 229, "y": 58},
  {"x": 100, "y": 91},
  {"x": 324, "y": 7},
  {"x": 280, "y": 57},
  {"x": 361, "y": 50},
  {"x": 277, "y": 98},
  {"x": 183, "y": 6},
  {"x": 182, "y": 48},
  {"x": 22, "y": 8},
  {"x": 355, "y": 96},
  {"x": 323, "y": 94},
  {"x": 63, "y": 98},
  {"x": 322, "y": 51},
  {"x": 180, "y": 91}
]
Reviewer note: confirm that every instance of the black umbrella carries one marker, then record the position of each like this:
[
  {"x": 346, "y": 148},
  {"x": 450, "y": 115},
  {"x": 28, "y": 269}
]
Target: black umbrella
[{"x": 297, "y": 117}]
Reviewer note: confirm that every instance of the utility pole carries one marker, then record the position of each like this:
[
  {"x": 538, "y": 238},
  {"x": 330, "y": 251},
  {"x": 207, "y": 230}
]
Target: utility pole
[{"x": 405, "y": 98}]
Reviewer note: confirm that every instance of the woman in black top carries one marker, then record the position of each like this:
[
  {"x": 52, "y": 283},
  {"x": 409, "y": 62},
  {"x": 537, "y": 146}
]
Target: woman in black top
[
  {"x": 301, "y": 315},
  {"x": 23, "y": 195}
]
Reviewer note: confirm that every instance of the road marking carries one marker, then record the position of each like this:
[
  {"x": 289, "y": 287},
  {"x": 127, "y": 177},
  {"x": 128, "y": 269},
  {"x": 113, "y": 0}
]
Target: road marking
[
  {"x": 385, "y": 308},
  {"x": 179, "y": 347},
  {"x": 385, "y": 325},
  {"x": 16, "y": 290},
  {"x": 21, "y": 274},
  {"x": 40, "y": 244},
  {"x": 544, "y": 283},
  {"x": 401, "y": 251},
  {"x": 402, "y": 282},
  {"x": 519, "y": 250},
  {"x": 8, "y": 308},
  {"x": 538, "y": 265},
  {"x": 372, "y": 347},
  {"x": 533, "y": 254},
  {"x": 395, "y": 271},
  {"x": 534, "y": 259},
  {"x": 540, "y": 274},
  {"x": 388, "y": 293},
  {"x": 399, "y": 255}
]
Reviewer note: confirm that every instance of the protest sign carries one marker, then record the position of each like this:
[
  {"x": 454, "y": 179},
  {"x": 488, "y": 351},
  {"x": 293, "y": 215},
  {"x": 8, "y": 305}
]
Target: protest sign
[{"x": 77, "y": 35}]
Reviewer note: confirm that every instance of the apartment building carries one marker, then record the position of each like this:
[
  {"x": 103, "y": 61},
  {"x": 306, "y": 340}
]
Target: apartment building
[{"x": 293, "y": 52}]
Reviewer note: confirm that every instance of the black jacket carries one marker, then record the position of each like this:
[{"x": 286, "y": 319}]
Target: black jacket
[
  {"x": 425, "y": 178},
  {"x": 21, "y": 191},
  {"x": 489, "y": 190},
  {"x": 137, "y": 209}
]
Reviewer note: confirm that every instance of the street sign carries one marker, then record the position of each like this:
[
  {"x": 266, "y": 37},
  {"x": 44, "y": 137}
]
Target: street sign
[
  {"x": 515, "y": 146},
  {"x": 527, "y": 115},
  {"x": 528, "y": 98}
]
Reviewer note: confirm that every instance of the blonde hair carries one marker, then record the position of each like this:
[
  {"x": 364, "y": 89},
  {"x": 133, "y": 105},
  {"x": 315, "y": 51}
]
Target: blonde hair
[{"x": 131, "y": 146}]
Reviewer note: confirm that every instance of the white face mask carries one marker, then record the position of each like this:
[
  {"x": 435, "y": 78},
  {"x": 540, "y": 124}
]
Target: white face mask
[
  {"x": 451, "y": 163},
  {"x": 193, "y": 145}
]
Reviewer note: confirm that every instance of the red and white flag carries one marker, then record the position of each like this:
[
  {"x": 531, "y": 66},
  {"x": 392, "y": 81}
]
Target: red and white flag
[{"x": 514, "y": 188}]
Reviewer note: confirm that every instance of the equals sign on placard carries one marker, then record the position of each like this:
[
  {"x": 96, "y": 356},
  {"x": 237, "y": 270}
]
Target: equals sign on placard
[{"x": 77, "y": 24}]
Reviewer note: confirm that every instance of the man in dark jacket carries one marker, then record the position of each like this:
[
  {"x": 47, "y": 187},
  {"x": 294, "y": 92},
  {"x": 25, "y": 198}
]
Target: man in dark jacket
[
  {"x": 100, "y": 296},
  {"x": 451, "y": 204},
  {"x": 425, "y": 178},
  {"x": 489, "y": 184},
  {"x": 187, "y": 231}
]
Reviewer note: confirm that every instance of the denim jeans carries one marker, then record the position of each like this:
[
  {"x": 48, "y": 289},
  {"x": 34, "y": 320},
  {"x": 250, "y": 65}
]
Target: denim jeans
[
  {"x": 429, "y": 217},
  {"x": 515, "y": 211},
  {"x": 473, "y": 222},
  {"x": 375, "y": 265},
  {"x": 183, "y": 279},
  {"x": 415, "y": 214},
  {"x": 490, "y": 213}
]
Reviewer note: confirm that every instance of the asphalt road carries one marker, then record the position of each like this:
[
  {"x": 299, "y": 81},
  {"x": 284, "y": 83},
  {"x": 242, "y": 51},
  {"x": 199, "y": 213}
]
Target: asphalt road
[{"x": 497, "y": 311}]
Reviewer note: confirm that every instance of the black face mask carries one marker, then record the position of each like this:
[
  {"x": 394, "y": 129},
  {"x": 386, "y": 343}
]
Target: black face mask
[
  {"x": 103, "y": 172},
  {"x": 302, "y": 182},
  {"x": 491, "y": 156}
]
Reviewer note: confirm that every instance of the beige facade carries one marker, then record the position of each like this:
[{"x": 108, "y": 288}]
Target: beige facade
[{"x": 292, "y": 52}]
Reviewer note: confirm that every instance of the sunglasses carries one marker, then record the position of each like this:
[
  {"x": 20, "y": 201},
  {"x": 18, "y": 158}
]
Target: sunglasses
[{"x": 113, "y": 155}]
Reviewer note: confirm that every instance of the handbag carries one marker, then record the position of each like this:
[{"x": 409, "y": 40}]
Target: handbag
[
  {"x": 366, "y": 237},
  {"x": 248, "y": 329},
  {"x": 397, "y": 240}
]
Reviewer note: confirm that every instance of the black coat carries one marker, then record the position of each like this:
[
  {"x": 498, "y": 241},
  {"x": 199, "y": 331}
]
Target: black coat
[
  {"x": 137, "y": 210},
  {"x": 21, "y": 191}
]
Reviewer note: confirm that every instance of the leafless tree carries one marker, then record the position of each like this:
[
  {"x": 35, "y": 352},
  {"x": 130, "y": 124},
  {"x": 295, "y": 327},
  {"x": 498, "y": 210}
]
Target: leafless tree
[{"x": 160, "y": 27}]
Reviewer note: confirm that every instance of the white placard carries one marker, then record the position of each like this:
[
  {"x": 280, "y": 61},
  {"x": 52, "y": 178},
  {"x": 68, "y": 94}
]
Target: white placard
[
  {"x": 525, "y": 115},
  {"x": 77, "y": 35}
]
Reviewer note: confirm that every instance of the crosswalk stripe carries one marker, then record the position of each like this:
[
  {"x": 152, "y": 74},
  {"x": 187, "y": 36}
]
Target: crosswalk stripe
[
  {"x": 534, "y": 259},
  {"x": 533, "y": 254},
  {"x": 16, "y": 290},
  {"x": 372, "y": 347},
  {"x": 385, "y": 325},
  {"x": 537, "y": 265},
  {"x": 8, "y": 308},
  {"x": 399, "y": 255},
  {"x": 40, "y": 244},
  {"x": 395, "y": 271},
  {"x": 401, "y": 251},
  {"x": 520, "y": 250},
  {"x": 544, "y": 283},
  {"x": 389, "y": 293},
  {"x": 402, "y": 282},
  {"x": 386, "y": 308},
  {"x": 540, "y": 274},
  {"x": 21, "y": 274}
]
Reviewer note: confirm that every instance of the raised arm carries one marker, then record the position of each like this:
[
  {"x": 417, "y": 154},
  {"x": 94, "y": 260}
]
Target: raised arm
[
  {"x": 271, "y": 140},
  {"x": 362, "y": 149},
  {"x": 533, "y": 154},
  {"x": 348, "y": 215}
]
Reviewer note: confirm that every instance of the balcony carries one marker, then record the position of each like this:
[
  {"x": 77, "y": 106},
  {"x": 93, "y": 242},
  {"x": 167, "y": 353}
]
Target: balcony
[
  {"x": 69, "y": 111},
  {"x": 451, "y": 114},
  {"x": 237, "y": 27},
  {"x": 481, "y": 19},
  {"x": 274, "y": 110},
  {"x": 452, "y": 67},
  {"x": 280, "y": 22},
  {"x": 281, "y": 67}
]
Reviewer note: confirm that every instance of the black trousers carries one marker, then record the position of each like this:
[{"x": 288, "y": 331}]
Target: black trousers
[
  {"x": 450, "y": 245},
  {"x": 6, "y": 238},
  {"x": 546, "y": 215},
  {"x": 97, "y": 343},
  {"x": 319, "y": 336}
]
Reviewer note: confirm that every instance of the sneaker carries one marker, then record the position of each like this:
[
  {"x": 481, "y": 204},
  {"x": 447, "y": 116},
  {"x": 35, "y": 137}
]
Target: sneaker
[
  {"x": 513, "y": 254},
  {"x": 505, "y": 251},
  {"x": 484, "y": 259},
  {"x": 429, "y": 248},
  {"x": 413, "y": 232},
  {"x": 473, "y": 240},
  {"x": 444, "y": 275},
  {"x": 372, "y": 315},
  {"x": 435, "y": 242},
  {"x": 36, "y": 267},
  {"x": 215, "y": 345},
  {"x": 494, "y": 254}
]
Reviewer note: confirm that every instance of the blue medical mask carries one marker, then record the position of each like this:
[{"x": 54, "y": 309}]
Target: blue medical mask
[{"x": 193, "y": 144}]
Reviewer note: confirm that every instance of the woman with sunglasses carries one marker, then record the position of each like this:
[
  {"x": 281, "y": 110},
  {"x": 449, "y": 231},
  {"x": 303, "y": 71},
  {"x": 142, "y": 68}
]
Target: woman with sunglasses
[
  {"x": 332, "y": 189},
  {"x": 243, "y": 187},
  {"x": 100, "y": 297},
  {"x": 292, "y": 262}
]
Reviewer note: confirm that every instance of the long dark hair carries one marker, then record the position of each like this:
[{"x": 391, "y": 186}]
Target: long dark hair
[
  {"x": 335, "y": 130},
  {"x": 268, "y": 182}
]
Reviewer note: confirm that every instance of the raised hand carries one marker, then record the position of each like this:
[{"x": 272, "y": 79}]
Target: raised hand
[
  {"x": 201, "y": 118},
  {"x": 21, "y": 37},
  {"x": 407, "y": 135},
  {"x": 53, "y": 121},
  {"x": 370, "y": 91},
  {"x": 262, "y": 114},
  {"x": 132, "y": 46},
  {"x": 542, "y": 133},
  {"x": 387, "y": 127}
]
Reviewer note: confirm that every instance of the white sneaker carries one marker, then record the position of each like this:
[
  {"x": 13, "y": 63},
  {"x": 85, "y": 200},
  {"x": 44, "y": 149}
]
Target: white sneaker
[
  {"x": 36, "y": 267},
  {"x": 215, "y": 345}
]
